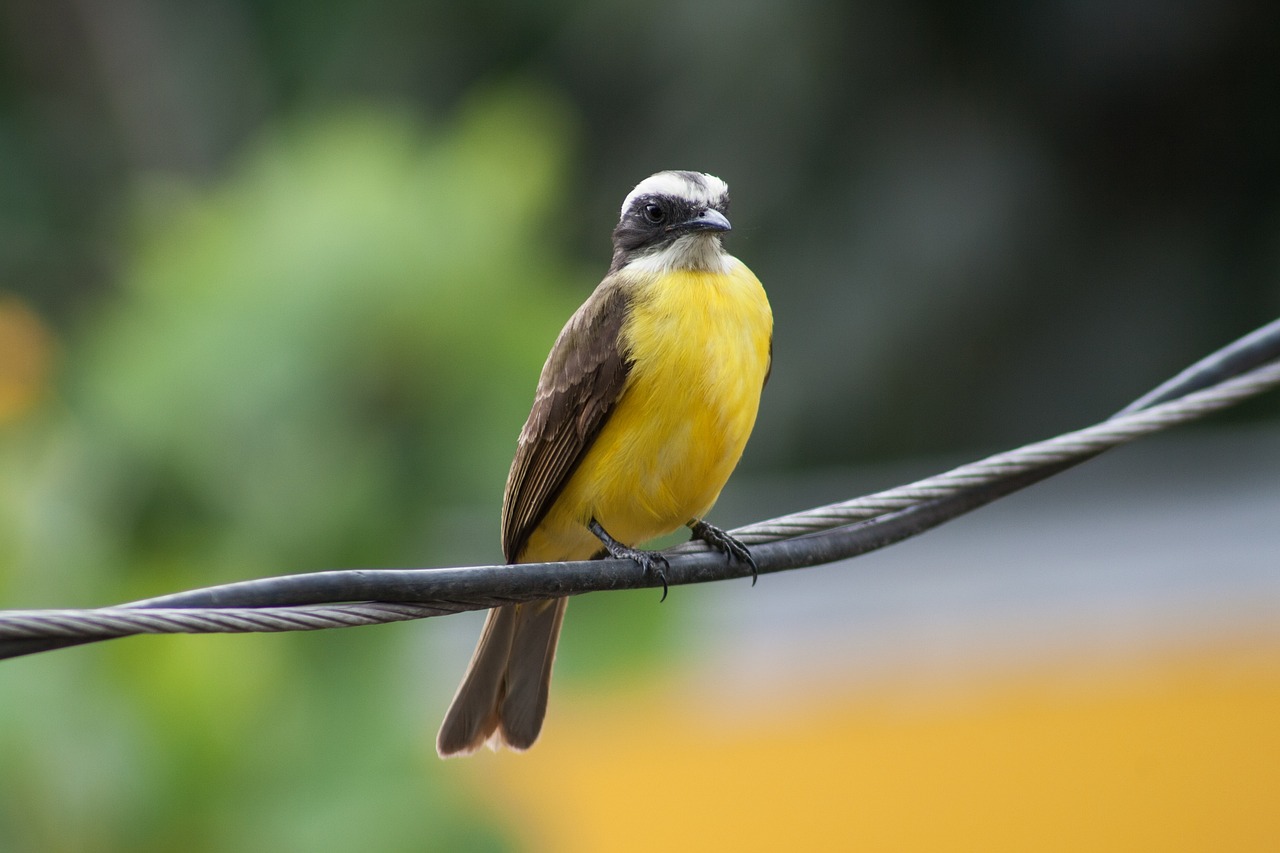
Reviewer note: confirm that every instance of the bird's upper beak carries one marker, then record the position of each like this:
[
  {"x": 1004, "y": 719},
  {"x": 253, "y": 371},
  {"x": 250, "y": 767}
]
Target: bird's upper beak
[{"x": 709, "y": 220}]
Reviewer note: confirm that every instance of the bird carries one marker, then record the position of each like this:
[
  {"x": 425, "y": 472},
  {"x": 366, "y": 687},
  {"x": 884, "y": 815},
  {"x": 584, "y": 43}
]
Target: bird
[{"x": 642, "y": 411}]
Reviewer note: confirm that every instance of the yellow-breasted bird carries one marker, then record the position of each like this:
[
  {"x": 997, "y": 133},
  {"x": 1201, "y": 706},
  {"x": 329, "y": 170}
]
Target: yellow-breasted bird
[{"x": 641, "y": 414}]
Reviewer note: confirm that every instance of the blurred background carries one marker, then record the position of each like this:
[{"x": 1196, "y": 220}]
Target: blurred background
[{"x": 276, "y": 282}]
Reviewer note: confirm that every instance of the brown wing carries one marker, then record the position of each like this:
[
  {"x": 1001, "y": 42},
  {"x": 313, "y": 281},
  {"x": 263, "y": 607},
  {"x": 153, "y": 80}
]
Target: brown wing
[
  {"x": 581, "y": 381},
  {"x": 768, "y": 371}
]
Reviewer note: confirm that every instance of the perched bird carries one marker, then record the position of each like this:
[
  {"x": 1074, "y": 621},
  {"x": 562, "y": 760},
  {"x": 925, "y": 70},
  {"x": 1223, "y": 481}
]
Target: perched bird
[{"x": 641, "y": 414}]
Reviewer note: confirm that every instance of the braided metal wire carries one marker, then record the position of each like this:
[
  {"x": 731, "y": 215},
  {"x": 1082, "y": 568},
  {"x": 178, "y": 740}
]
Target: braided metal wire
[
  {"x": 109, "y": 622},
  {"x": 1090, "y": 441},
  {"x": 27, "y": 631}
]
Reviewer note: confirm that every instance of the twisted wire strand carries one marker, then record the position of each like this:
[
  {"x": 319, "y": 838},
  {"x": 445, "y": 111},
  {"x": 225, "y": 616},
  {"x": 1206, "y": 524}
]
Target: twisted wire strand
[
  {"x": 322, "y": 600},
  {"x": 1084, "y": 443},
  {"x": 109, "y": 622}
]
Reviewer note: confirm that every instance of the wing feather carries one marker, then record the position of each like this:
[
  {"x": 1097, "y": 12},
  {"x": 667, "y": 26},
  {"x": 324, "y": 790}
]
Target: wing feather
[{"x": 581, "y": 382}]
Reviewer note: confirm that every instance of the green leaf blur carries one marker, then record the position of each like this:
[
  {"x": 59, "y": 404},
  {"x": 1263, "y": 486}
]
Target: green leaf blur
[{"x": 308, "y": 364}]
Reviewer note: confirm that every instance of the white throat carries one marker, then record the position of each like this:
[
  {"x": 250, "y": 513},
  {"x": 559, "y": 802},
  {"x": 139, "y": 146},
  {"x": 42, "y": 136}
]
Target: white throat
[{"x": 700, "y": 252}]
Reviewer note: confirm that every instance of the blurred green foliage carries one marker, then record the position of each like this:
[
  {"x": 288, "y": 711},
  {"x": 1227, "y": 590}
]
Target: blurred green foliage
[{"x": 304, "y": 366}]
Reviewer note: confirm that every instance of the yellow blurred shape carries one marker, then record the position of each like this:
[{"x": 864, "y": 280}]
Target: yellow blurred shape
[
  {"x": 25, "y": 355},
  {"x": 1178, "y": 754}
]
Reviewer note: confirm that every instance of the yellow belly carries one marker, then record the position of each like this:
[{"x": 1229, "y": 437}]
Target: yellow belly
[{"x": 699, "y": 343}]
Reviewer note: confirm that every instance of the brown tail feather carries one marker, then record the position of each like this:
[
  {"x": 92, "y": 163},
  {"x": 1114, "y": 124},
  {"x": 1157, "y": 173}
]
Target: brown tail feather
[
  {"x": 503, "y": 696},
  {"x": 529, "y": 672}
]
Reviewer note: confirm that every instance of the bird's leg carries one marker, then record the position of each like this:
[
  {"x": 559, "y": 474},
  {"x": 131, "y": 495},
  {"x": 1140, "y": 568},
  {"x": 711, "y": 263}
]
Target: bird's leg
[
  {"x": 651, "y": 562},
  {"x": 725, "y": 544}
]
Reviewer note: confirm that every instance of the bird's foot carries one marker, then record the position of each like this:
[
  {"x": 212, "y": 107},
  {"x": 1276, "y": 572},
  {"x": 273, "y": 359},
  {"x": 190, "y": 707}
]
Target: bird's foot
[
  {"x": 650, "y": 562},
  {"x": 725, "y": 544}
]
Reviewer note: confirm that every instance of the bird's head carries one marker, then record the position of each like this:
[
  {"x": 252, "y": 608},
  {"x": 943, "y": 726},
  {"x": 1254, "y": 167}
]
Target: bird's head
[{"x": 673, "y": 220}]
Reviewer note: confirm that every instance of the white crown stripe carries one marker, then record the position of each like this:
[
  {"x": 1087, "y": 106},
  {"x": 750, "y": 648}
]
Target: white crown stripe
[{"x": 676, "y": 184}]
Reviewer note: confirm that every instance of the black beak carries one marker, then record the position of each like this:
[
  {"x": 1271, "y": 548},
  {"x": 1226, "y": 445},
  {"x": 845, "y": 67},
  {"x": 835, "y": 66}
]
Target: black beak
[{"x": 709, "y": 220}]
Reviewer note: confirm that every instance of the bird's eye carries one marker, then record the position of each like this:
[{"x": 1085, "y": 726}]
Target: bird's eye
[{"x": 654, "y": 213}]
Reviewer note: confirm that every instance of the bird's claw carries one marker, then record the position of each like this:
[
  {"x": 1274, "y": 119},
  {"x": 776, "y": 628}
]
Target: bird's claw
[
  {"x": 732, "y": 548},
  {"x": 651, "y": 563}
]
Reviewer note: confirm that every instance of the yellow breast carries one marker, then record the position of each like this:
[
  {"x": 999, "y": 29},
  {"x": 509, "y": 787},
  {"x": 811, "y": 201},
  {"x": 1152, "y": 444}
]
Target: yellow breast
[{"x": 699, "y": 344}]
